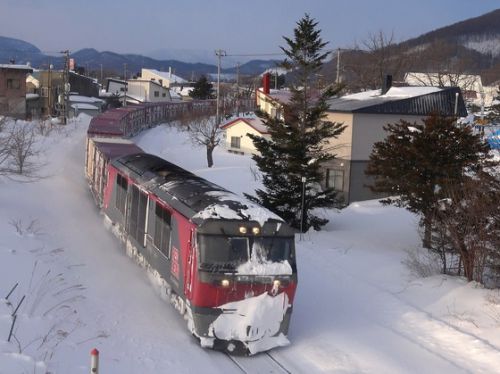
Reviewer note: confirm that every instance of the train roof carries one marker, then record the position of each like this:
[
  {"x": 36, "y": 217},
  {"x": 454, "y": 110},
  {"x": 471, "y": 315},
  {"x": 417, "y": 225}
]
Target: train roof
[
  {"x": 102, "y": 126},
  {"x": 116, "y": 147},
  {"x": 193, "y": 196}
]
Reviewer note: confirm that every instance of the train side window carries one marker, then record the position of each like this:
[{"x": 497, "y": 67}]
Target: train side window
[
  {"x": 121, "y": 193},
  {"x": 162, "y": 230}
]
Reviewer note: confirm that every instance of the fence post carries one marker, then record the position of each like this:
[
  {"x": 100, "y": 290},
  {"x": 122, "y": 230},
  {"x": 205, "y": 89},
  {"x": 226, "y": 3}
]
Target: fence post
[{"x": 94, "y": 361}]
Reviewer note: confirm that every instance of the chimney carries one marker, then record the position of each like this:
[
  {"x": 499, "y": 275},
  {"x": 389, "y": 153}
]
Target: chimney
[
  {"x": 266, "y": 83},
  {"x": 386, "y": 84},
  {"x": 170, "y": 72}
]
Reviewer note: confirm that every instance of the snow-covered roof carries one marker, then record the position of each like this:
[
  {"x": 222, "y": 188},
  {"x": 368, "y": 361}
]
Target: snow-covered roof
[
  {"x": 256, "y": 123},
  {"x": 84, "y": 106},
  {"x": 420, "y": 100},
  {"x": 280, "y": 96},
  {"x": 32, "y": 96},
  {"x": 274, "y": 71},
  {"x": 16, "y": 67},
  {"x": 181, "y": 91},
  {"x": 172, "y": 78},
  {"x": 393, "y": 93},
  {"x": 85, "y": 99}
]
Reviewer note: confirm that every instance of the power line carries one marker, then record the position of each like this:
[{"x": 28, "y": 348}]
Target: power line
[{"x": 256, "y": 54}]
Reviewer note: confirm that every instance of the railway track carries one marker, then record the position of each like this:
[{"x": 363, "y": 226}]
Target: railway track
[{"x": 263, "y": 363}]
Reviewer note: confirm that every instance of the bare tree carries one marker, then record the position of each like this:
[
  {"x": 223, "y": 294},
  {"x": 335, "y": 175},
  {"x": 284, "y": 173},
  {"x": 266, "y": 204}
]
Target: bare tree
[
  {"x": 22, "y": 150},
  {"x": 438, "y": 69},
  {"x": 4, "y": 154},
  {"x": 206, "y": 132},
  {"x": 469, "y": 225},
  {"x": 378, "y": 55}
]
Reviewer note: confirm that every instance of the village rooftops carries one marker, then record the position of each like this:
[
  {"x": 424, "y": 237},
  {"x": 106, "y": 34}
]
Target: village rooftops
[{"x": 402, "y": 100}]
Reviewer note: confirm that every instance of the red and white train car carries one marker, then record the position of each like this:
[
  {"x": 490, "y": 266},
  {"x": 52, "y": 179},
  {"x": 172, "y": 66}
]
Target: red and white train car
[{"x": 226, "y": 263}]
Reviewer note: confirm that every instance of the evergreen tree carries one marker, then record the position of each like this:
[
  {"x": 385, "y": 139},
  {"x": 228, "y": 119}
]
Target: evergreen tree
[
  {"x": 202, "y": 89},
  {"x": 297, "y": 147},
  {"x": 416, "y": 161}
]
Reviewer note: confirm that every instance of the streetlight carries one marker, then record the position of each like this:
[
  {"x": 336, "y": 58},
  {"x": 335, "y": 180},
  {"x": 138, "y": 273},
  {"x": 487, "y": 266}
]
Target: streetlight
[{"x": 303, "y": 179}]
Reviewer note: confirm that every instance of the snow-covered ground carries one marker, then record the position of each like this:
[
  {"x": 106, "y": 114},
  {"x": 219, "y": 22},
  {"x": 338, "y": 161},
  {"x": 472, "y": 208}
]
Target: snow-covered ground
[{"x": 358, "y": 307}]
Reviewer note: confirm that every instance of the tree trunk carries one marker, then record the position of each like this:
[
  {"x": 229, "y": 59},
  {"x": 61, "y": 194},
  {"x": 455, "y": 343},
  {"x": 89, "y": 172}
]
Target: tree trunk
[
  {"x": 427, "y": 240},
  {"x": 210, "y": 159},
  {"x": 468, "y": 262}
]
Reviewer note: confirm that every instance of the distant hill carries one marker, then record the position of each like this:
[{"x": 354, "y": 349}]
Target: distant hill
[
  {"x": 15, "y": 46},
  {"x": 115, "y": 61},
  {"x": 471, "y": 46},
  {"x": 23, "y": 52},
  {"x": 481, "y": 34},
  {"x": 17, "y": 50},
  {"x": 253, "y": 67}
]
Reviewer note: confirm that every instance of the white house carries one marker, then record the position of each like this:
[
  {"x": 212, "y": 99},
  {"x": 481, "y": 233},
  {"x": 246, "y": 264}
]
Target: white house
[
  {"x": 166, "y": 79},
  {"x": 144, "y": 90},
  {"x": 236, "y": 134},
  {"x": 365, "y": 114}
]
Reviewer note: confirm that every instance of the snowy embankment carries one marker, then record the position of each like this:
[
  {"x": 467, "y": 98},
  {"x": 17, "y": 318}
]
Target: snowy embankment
[{"x": 358, "y": 307}]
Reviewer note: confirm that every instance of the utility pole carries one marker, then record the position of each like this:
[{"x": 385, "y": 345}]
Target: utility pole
[
  {"x": 125, "y": 88},
  {"x": 219, "y": 53},
  {"x": 102, "y": 79},
  {"x": 237, "y": 88},
  {"x": 49, "y": 85},
  {"x": 66, "y": 88}
]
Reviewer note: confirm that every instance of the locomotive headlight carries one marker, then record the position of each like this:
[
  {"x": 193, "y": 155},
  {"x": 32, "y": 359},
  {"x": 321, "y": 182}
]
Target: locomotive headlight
[
  {"x": 243, "y": 230},
  {"x": 255, "y": 230},
  {"x": 224, "y": 283},
  {"x": 276, "y": 283}
]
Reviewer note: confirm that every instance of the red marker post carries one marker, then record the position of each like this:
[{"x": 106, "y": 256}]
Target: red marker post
[{"x": 94, "y": 361}]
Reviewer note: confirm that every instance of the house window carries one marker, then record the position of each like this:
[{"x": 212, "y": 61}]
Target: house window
[
  {"x": 45, "y": 91},
  {"x": 13, "y": 84},
  {"x": 157, "y": 93},
  {"x": 335, "y": 179},
  {"x": 162, "y": 229},
  {"x": 121, "y": 193},
  {"x": 164, "y": 94},
  {"x": 235, "y": 142}
]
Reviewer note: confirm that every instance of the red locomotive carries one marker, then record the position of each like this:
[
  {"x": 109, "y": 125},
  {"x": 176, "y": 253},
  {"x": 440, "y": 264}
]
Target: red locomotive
[{"x": 227, "y": 264}]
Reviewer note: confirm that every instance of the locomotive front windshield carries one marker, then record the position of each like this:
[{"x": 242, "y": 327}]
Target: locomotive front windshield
[{"x": 222, "y": 253}]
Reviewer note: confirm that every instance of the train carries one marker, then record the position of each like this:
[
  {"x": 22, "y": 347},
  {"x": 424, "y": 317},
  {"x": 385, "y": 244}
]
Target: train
[{"x": 227, "y": 264}]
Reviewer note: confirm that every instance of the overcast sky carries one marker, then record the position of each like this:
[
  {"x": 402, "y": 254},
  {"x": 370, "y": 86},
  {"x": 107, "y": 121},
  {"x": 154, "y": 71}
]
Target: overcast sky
[{"x": 236, "y": 26}]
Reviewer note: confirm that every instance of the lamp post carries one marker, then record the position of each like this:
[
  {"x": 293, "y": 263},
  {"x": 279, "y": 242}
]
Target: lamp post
[{"x": 303, "y": 179}]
